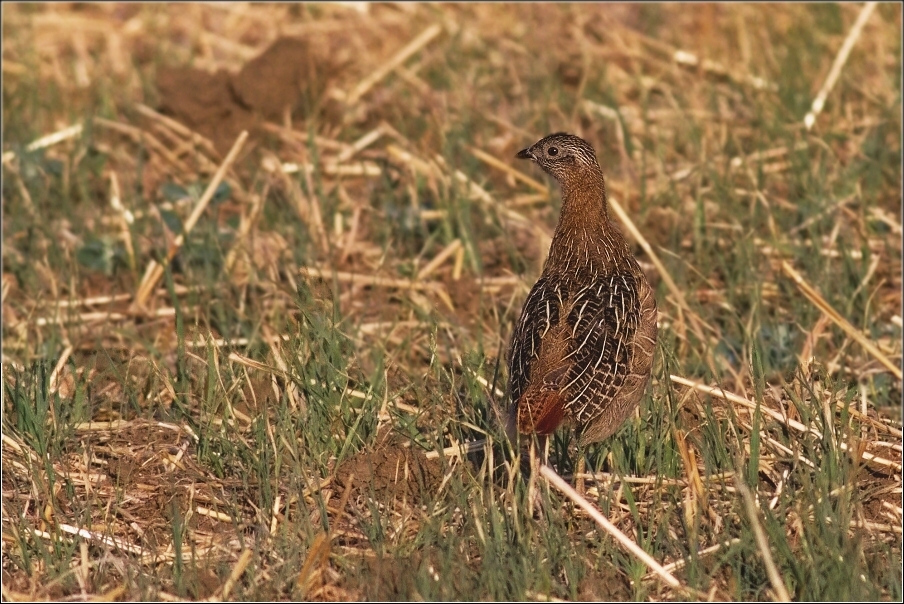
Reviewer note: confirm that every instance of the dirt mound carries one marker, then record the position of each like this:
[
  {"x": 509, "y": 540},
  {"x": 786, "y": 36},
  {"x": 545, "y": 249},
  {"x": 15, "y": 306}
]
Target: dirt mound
[
  {"x": 392, "y": 471},
  {"x": 220, "y": 105}
]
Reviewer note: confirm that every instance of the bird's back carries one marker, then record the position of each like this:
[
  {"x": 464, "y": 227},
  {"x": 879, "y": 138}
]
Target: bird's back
[{"x": 582, "y": 351}]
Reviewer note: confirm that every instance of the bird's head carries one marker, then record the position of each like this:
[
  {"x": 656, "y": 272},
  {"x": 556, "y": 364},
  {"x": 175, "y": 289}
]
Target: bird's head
[{"x": 561, "y": 155}]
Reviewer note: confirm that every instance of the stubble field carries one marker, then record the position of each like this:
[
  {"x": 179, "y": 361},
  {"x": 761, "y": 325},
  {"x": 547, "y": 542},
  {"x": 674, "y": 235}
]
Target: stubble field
[{"x": 271, "y": 366}]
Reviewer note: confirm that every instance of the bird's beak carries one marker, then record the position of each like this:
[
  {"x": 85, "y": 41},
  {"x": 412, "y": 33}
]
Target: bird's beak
[{"x": 525, "y": 154}]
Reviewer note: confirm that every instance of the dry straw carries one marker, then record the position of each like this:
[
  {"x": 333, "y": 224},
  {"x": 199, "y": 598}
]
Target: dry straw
[
  {"x": 154, "y": 271},
  {"x": 820, "y": 303},
  {"x": 840, "y": 60},
  {"x": 604, "y": 523}
]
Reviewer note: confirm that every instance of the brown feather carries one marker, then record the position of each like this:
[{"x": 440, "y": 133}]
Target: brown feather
[
  {"x": 541, "y": 414},
  {"x": 582, "y": 351}
]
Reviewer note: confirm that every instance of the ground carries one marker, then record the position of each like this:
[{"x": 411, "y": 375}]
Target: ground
[{"x": 273, "y": 367}]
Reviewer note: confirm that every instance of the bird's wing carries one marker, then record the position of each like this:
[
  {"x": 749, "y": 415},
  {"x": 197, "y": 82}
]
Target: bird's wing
[
  {"x": 603, "y": 319},
  {"x": 539, "y": 315}
]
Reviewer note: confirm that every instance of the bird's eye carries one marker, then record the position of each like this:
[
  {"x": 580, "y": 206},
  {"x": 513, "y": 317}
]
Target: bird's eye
[{"x": 553, "y": 151}]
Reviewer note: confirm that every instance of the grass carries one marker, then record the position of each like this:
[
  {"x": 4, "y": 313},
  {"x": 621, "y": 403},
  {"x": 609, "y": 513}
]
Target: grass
[{"x": 280, "y": 418}]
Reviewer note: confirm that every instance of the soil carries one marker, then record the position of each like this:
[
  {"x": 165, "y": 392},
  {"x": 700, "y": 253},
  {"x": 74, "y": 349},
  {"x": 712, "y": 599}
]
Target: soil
[
  {"x": 220, "y": 105},
  {"x": 606, "y": 584},
  {"x": 392, "y": 472},
  {"x": 273, "y": 81},
  {"x": 205, "y": 103}
]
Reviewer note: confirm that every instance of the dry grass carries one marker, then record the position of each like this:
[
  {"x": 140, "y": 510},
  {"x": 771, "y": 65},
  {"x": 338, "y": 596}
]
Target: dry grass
[{"x": 275, "y": 371}]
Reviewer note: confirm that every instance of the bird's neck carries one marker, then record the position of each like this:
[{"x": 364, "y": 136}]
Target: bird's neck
[
  {"x": 584, "y": 232},
  {"x": 584, "y": 200}
]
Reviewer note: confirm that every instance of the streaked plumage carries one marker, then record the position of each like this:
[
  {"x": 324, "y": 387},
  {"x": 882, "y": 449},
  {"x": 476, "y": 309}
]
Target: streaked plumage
[{"x": 582, "y": 351}]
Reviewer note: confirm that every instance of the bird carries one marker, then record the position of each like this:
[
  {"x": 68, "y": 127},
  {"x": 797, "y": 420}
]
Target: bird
[{"x": 581, "y": 353}]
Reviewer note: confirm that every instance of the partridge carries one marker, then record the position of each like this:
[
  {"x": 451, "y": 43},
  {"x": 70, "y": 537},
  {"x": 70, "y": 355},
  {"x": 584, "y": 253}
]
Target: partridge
[{"x": 582, "y": 351}]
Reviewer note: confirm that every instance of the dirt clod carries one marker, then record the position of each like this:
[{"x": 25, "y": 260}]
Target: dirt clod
[
  {"x": 272, "y": 82},
  {"x": 220, "y": 105},
  {"x": 392, "y": 472},
  {"x": 204, "y": 102}
]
